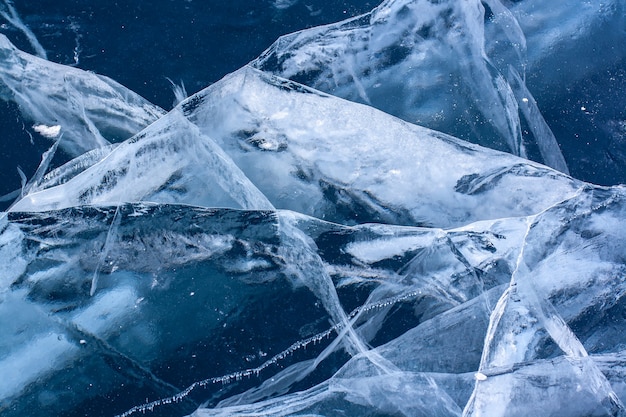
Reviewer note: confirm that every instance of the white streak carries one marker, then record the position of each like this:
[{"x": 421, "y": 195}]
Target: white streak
[{"x": 11, "y": 16}]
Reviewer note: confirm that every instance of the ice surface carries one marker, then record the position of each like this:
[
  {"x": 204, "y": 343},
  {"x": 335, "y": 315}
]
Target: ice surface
[
  {"x": 297, "y": 147},
  {"x": 169, "y": 162},
  {"x": 266, "y": 248},
  {"x": 555, "y": 375},
  {"x": 310, "y": 139},
  {"x": 8, "y": 12},
  {"x": 419, "y": 60},
  {"x": 91, "y": 109},
  {"x": 575, "y": 69},
  {"x": 411, "y": 301},
  {"x": 294, "y": 142},
  {"x": 567, "y": 33},
  {"x": 196, "y": 259}
]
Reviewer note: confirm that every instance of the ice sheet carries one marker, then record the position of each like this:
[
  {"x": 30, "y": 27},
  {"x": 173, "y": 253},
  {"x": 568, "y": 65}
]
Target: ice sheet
[
  {"x": 269, "y": 249},
  {"x": 92, "y": 110}
]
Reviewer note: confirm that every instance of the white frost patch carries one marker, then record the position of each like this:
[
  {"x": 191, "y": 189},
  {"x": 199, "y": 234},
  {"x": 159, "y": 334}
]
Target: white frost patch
[
  {"x": 279, "y": 115},
  {"x": 247, "y": 265},
  {"x": 377, "y": 250},
  {"x": 46, "y": 131}
]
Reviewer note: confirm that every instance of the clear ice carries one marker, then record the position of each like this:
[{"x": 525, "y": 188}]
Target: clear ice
[{"x": 316, "y": 233}]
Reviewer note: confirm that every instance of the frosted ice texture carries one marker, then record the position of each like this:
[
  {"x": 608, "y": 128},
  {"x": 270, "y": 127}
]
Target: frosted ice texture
[
  {"x": 269, "y": 249},
  {"x": 453, "y": 66},
  {"x": 420, "y": 60},
  {"x": 91, "y": 109},
  {"x": 169, "y": 162},
  {"x": 296, "y": 146}
]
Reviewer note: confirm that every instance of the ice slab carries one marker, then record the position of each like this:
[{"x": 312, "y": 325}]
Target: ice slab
[
  {"x": 300, "y": 148},
  {"x": 297, "y": 146},
  {"x": 422, "y": 61},
  {"x": 225, "y": 273},
  {"x": 89, "y": 110},
  {"x": 169, "y": 162},
  {"x": 445, "y": 65}
]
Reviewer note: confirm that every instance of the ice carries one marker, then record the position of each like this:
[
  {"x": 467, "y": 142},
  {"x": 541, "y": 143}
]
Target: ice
[
  {"x": 91, "y": 110},
  {"x": 422, "y": 61},
  {"x": 567, "y": 34},
  {"x": 535, "y": 306},
  {"x": 411, "y": 303},
  {"x": 10, "y": 248},
  {"x": 294, "y": 142},
  {"x": 266, "y": 248},
  {"x": 544, "y": 138},
  {"x": 113, "y": 321},
  {"x": 25, "y": 365},
  {"x": 8, "y": 12},
  {"x": 258, "y": 138},
  {"x": 573, "y": 61},
  {"x": 170, "y": 162}
]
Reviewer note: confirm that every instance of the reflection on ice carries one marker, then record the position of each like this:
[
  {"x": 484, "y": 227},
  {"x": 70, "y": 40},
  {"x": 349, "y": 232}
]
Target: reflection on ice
[{"x": 266, "y": 248}]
